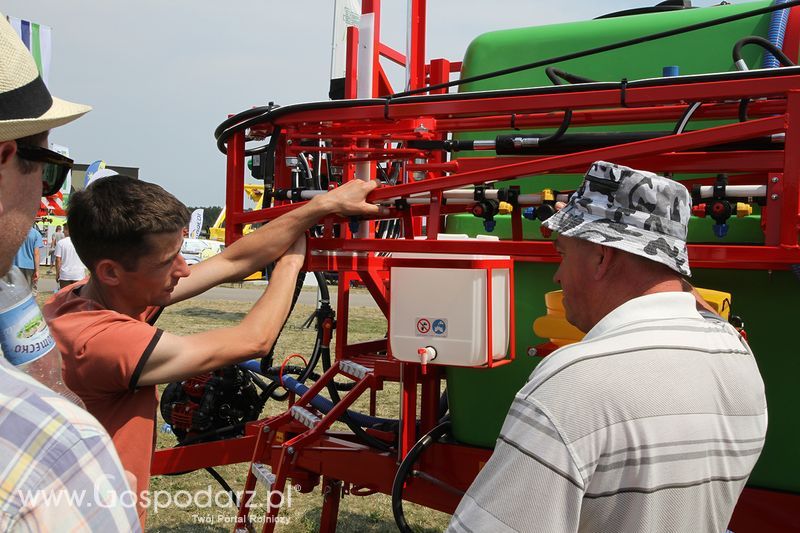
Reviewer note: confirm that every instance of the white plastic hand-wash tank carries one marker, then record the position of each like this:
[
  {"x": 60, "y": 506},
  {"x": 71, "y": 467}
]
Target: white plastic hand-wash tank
[{"x": 440, "y": 314}]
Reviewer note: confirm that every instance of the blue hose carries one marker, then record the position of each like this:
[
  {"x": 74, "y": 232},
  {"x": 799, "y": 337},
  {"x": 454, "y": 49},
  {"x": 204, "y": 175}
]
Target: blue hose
[
  {"x": 319, "y": 402},
  {"x": 777, "y": 31}
]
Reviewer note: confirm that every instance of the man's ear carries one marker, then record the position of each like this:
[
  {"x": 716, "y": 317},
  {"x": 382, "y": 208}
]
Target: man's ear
[
  {"x": 606, "y": 255},
  {"x": 108, "y": 272},
  {"x": 7, "y": 151}
]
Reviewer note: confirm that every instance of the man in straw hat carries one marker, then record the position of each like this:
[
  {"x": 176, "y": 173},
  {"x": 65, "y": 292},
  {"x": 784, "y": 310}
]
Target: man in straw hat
[
  {"x": 51, "y": 451},
  {"x": 654, "y": 421}
]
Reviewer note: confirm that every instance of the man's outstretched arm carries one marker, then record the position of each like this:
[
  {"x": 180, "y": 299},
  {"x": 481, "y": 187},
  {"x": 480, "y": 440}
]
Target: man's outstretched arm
[
  {"x": 175, "y": 358},
  {"x": 255, "y": 250}
]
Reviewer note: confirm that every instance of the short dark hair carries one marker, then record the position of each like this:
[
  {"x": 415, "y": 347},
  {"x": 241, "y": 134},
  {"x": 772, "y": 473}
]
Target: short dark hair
[
  {"x": 25, "y": 166},
  {"x": 112, "y": 217}
]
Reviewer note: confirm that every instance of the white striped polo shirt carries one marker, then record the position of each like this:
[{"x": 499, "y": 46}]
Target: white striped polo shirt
[{"x": 652, "y": 423}]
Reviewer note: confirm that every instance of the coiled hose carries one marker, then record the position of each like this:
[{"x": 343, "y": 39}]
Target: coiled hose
[{"x": 775, "y": 34}]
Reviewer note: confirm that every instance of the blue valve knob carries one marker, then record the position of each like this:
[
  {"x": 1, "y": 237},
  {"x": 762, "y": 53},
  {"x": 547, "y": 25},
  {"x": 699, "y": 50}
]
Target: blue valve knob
[
  {"x": 489, "y": 225},
  {"x": 529, "y": 213},
  {"x": 720, "y": 230}
]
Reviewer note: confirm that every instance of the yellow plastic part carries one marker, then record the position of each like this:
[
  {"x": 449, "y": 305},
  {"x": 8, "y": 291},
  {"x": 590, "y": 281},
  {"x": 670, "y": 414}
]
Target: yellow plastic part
[
  {"x": 554, "y": 325},
  {"x": 718, "y": 300},
  {"x": 743, "y": 209},
  {"x": 504, "y": 208},
  {"x": 217, "y": 232},
  {"x": 548, "y": 195}
]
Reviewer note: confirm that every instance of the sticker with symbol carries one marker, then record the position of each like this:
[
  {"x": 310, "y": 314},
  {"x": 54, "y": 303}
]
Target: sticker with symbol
[
  {"x": 439, "y": 327},
  {"x": 423, "y": 326}
]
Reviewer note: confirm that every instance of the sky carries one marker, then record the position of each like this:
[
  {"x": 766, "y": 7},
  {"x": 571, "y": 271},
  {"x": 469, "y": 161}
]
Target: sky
[{"x": 162, "y": 74}]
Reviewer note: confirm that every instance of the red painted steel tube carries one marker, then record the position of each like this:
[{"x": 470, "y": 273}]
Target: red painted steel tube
[
  {"x": 684, "y": 141},
  {"x": 416, "y": 56},
  {"x": 759, "y": 108},
  {"x": 351, "y": 63},
  {"x": 790, "y": 199},
  {"x": 608, "y": 98},
  {"x": 331, "y": 495},
  {"x": 234, "y": 190},
  {"x": 408, "y": 408},
  {"x": 193, "y": 457},
  {"x": 688, "y": 162},
  {"x": 391, "y": 54}
]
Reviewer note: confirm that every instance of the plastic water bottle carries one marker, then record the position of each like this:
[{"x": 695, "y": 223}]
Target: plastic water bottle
[{"x": 25, "y": 338}]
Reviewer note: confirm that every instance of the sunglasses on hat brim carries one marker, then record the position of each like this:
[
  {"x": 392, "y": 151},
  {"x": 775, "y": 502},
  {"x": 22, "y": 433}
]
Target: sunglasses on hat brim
[{"x": 56, "y": 166}]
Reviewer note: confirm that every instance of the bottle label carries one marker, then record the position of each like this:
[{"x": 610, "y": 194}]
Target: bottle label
[{"x": 25, "y": 336}]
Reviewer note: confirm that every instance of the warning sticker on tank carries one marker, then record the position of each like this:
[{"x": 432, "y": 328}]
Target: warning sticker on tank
[{"x": 431, "y": 327}]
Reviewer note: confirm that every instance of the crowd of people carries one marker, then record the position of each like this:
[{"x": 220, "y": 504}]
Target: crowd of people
[{"x": 653, "y": 422}]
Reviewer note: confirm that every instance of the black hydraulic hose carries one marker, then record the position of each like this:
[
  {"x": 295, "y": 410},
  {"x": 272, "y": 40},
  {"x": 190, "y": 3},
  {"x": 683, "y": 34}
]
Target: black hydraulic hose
[
  {"x": 741, "y": 65},
  {"x": 743, "y": 103},
  {"x": 763, "y": 43},
  {"x": 512, "y": 145},
  {"x": 272, "y": 117},
  {"x": 405, "y": 468},
  {"x": 556, "y": 75},
  {"x": 444, "y": 405},
  {"x": 239, "y": 117},
  {"x": 224, "y": 484},
  {"x": 600, "y": 49}
]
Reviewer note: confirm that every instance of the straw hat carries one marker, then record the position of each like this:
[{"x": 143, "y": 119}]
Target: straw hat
[{"x": 26, "y": 106}]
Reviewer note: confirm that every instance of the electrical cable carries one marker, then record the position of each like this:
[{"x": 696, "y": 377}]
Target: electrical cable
[
  {"x": 687, "y": 115},
  {"x": 404, "y": 469}
]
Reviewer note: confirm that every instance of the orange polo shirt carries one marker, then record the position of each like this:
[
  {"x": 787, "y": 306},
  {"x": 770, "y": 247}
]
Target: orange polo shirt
[{"x": 103, "y": 354}]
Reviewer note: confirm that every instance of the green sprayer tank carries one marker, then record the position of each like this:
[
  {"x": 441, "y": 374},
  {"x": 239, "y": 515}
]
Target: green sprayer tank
[{"x": 767, "y": 301}]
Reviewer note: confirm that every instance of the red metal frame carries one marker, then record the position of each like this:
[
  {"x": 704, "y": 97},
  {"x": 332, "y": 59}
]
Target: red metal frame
[{"x": 379, "y": 133}]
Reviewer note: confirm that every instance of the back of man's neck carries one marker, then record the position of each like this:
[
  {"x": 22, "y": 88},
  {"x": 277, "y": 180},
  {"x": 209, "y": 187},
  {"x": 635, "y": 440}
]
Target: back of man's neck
[{"x": 106, "y": 298}]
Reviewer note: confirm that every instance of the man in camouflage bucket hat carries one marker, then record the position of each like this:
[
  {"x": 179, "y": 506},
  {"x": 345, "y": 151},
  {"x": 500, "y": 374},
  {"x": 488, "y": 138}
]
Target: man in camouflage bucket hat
[
  {"x": 654, "y": 421},
  {"x": 632, "y": 210}
]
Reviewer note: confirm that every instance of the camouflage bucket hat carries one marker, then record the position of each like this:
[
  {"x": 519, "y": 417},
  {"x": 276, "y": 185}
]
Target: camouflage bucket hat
[{"x": 632, "y": 210}]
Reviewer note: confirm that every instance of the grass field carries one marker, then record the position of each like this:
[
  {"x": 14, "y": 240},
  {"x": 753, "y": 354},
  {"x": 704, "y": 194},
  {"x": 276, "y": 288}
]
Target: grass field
[{"x": 356, "y": 514}]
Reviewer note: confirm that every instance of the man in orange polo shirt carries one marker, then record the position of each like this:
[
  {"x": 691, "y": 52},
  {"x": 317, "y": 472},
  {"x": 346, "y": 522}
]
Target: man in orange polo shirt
[{"x": 129, "y": 234}]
